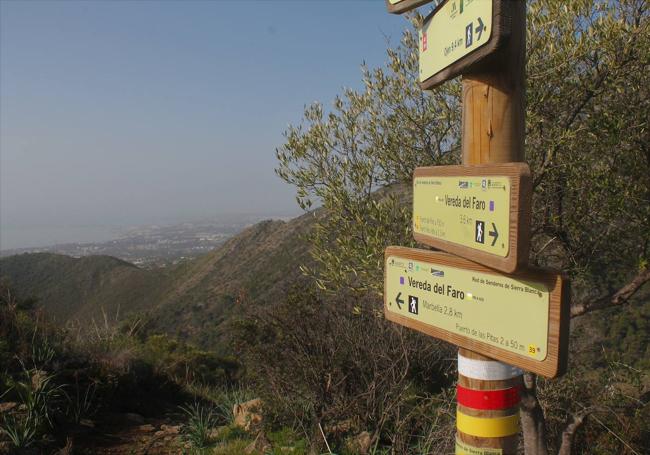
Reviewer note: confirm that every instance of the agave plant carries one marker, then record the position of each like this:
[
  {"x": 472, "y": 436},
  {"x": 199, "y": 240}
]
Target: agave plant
[
  {"x": 37, "y": 394},
  {"x": 21, "y": 432},
  {"x": 201, "y": 420}
]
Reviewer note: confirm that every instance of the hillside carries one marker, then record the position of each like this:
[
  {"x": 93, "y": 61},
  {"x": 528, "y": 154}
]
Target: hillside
[
  {"x": 81, "y": 288},
  {"x": 253, "y": 266}
]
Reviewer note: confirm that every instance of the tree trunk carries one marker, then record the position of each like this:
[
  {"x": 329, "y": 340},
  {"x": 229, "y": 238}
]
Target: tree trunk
[{"x": 533, "y": 423}]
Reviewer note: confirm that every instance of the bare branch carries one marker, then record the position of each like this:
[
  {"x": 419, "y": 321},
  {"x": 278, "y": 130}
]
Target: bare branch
[
  {"x": 620, "y": 297},
  {"x": 569, "y": 433}
]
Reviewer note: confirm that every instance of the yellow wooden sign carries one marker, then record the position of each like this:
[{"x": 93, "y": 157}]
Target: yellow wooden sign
[
  {"x": 512, "y": 318},
  {"x": 456, "y": 29},
  {"x": 470, "y": 211},
  {"x": 481, "y": 213},
  {"x": 471, "y": 304}
]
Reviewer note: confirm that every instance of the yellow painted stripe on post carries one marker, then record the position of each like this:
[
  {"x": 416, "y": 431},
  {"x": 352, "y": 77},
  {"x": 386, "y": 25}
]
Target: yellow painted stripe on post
[{"x": 487, "y": 427}]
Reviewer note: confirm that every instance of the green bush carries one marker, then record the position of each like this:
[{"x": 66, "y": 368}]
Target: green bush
[
  {"x": 234, "y": 447},
  {"x": 187, "y": 363},
  {"x": 231, "y": 432},
  {"x": 286, "y": 441}
]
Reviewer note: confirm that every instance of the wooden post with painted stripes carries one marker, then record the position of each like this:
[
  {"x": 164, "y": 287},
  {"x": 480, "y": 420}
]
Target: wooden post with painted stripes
[
  {"x": 493, "y": 132},
  {"x": 487, "y": 414}
]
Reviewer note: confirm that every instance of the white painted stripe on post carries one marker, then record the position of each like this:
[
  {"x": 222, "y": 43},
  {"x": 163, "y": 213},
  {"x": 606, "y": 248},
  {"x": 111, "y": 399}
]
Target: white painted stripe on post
[{"x": 487, "y": 370}]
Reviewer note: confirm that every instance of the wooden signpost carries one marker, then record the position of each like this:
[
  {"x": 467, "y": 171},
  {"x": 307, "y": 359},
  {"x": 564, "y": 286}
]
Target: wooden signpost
[
  {"x": 474, "y": 307},
  {"x": 460, "y": 34},
  {"x": 520, "y": 318},
  {"x": 480, "y": 213},
  {"x": 402, "y": 6}
]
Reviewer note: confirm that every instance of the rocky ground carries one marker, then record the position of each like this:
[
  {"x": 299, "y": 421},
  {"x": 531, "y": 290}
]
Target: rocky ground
[{"x": 130, "y": 433}]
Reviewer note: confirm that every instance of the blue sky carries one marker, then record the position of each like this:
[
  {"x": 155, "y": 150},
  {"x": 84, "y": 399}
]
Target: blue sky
[{"x": 125, "y": 112}]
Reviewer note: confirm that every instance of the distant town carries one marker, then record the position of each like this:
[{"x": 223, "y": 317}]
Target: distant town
[{"x": 157, "y": 246}]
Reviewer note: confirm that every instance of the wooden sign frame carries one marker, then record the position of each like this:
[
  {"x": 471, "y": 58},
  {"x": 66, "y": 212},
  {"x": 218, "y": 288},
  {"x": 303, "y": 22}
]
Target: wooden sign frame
[
  {"x": 405, "y": 5},
  {"x": 499, "y": 34},
  {"x": 552, "y": 366},
  {"x": 520, "y": 213}
]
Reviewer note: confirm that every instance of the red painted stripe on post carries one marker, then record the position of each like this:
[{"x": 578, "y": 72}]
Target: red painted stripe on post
[{"x": 488, "y": 399}]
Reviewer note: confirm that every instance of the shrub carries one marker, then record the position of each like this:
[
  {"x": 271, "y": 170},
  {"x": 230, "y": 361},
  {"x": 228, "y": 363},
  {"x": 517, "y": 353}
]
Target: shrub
[
  {"x": 188, "y": 364},
  {"x": 331, "y": 363}
]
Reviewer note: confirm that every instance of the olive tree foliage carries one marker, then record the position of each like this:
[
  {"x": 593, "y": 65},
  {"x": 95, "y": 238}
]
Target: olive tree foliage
[
  {"x": 367, "y": 140},
  {"x": 586, "y": 143},
  {"x": 587, "y": 139}
]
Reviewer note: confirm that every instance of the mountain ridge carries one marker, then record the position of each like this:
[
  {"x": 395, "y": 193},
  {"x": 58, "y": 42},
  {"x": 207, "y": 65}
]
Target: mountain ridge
[
  {"x": 187, "y": 299},
  {"x": 80, "y": 288}
]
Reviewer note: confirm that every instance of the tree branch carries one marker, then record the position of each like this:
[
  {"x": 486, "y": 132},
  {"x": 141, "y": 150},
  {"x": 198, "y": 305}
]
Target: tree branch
[
  {"x": 620, "y": 297},
  {"x": 569, "y": 433}
]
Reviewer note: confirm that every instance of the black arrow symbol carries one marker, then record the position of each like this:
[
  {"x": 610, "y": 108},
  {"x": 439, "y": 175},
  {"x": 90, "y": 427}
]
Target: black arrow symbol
[
  {"x": 494, "y": 234},
  {"x": 399, "y": 301},
  {"x": 480, "y": 29}
]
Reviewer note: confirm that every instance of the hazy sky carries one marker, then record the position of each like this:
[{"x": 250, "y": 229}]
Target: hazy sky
[{"x": 125, "y": 112}]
